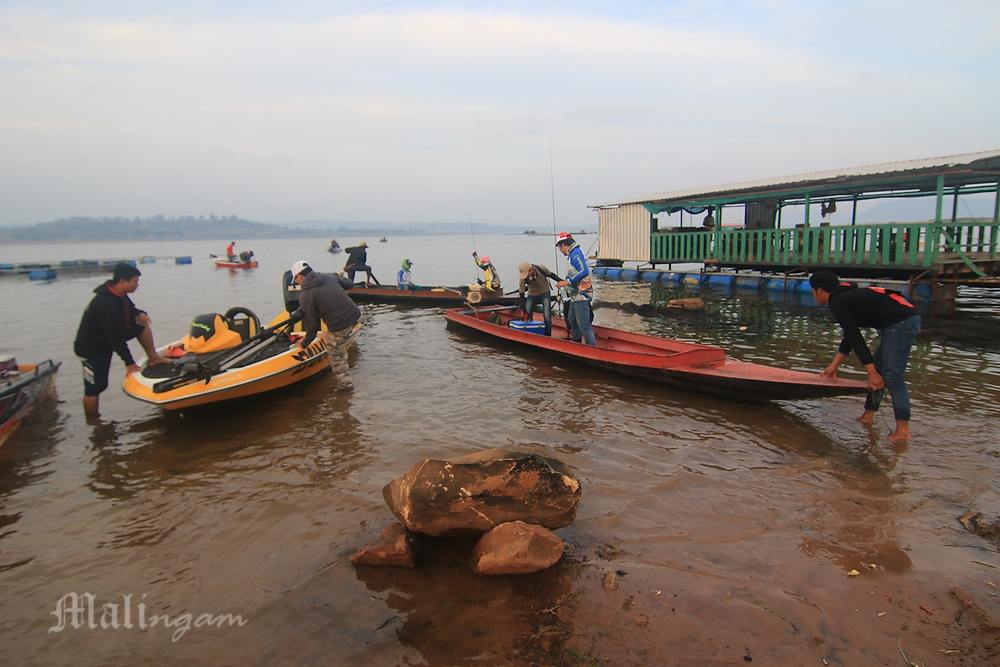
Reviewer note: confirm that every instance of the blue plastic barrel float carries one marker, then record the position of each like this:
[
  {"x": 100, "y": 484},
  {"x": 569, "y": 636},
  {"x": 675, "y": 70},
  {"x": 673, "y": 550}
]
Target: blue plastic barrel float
[
  {"x": 805, "y": 287},
  {"x": 920, "y": 291},
  {"x": 613, "y": 273},
  {"x": 649, "y": 276},
  {"x": 667, "y": 277},
  {"x": 182, "y": 260},
  {"x": 147, "y": 259},
  {"x": 629, "y": 274},
  {"x": 720, "y": 281},
  {"x": 6, "y": 267},
  {"x": 70, "y": 262},
  {"x": 600, "y": 271},
  {"x": 42, "y": 274},
  {"x": 690, "y": 279},
  {"x": 89, "y": 262},
  {"x": 776, "y": 284},
  {"x": 750, "y": 282}
]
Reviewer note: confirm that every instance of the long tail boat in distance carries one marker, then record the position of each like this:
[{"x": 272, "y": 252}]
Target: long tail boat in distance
[
  {"x": 429, "y": 296},
  {"x": 703, "y": 368}
]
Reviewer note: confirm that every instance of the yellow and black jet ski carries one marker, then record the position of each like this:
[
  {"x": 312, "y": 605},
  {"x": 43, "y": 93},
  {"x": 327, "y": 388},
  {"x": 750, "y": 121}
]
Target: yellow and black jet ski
[{"x": 229, "y": 355}]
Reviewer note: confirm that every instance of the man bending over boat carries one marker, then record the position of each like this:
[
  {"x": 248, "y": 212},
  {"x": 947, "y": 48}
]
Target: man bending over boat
[
  {"x": 109, "y": 321},
  {"x": 581, "y": 290},
  {"x": 534, "y": 290},
  {"x": 323, "y": 298},
  {"x": 897, "y": 322},
  {"x": 357, "y": 260},
  {"x": 404, "y": 280}
]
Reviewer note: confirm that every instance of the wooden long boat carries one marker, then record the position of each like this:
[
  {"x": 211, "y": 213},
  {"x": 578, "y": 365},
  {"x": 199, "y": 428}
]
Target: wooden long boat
[
  {"x": 703, "y": 368},
  {"x": 21, "y": 389},
  {"x": 429, "y": 296},
  {"x": 226, "y": 264}
]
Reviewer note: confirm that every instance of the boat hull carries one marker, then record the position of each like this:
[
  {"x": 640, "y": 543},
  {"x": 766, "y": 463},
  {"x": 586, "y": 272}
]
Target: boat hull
[
  {"x": 223, "y": 264},
  {"x": 435, "y": 296},
  {"x": 18, "y": 399},
  {"x": 702, "y": 368}
]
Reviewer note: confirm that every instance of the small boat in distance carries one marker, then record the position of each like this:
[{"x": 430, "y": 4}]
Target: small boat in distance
[
  {"x": 703, "y": 368},
  {"x": 383, "y": 240},
  {"x": 425, "y": 296},
  {"x": 245, "y": 261},
  {"x": 21, "y": 389}
]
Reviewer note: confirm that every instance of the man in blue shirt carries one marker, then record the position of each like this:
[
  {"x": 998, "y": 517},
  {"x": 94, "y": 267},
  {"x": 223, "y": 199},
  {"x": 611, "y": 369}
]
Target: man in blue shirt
[
  {"x": 581, "y": 290},
  {"x": 403, "y": 278}
]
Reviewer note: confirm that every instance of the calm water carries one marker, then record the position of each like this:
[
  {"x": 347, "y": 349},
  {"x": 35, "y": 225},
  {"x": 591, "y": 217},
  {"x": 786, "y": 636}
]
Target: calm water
[{"x": 732, "y": 526}]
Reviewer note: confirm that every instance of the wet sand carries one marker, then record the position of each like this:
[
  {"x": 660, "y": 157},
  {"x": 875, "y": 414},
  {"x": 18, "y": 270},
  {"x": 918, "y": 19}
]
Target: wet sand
[{"x": 731, "y": 528}]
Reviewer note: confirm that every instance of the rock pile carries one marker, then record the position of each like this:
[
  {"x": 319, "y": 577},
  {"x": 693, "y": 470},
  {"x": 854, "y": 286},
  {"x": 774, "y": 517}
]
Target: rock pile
[{"x": 512, "y": 499}]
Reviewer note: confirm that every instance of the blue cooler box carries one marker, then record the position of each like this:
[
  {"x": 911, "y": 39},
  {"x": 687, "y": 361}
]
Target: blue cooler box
[{"x": 530, "y": 327}]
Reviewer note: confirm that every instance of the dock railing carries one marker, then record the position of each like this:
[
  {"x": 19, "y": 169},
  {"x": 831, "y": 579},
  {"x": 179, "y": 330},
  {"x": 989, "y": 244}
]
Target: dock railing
[{"x": 913, "y": 246}]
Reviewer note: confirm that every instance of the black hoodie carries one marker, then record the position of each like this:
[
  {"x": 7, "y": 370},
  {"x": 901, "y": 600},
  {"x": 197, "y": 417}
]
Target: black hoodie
[
  {"x": 107, "y": 323},
  {"x": 857, "y": 307}
]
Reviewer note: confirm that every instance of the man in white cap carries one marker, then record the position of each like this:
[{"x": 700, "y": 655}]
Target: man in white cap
[{"x": 323, "y": 299}]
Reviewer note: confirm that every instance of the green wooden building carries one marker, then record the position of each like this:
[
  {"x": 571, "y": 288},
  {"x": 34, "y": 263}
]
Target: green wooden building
[{"x": 777, "y": 224}]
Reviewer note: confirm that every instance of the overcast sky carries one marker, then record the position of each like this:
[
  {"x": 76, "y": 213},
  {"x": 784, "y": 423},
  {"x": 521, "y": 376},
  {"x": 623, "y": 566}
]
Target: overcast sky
[{"x": 441, "y": 111}]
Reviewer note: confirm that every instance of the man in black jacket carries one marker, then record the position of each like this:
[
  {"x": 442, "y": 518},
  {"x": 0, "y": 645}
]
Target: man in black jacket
[
  {"x": 357, "y": 260},
  {"x": 110, "y": 320},
  {"x": 898, "y": 324},
  {"x": 323, "y": 299}
]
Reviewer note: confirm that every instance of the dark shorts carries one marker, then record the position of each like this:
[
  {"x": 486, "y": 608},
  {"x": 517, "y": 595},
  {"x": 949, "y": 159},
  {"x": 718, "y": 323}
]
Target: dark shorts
[
  {"x": 97, "y": 367},
  {"x": 95, "y": 374}
]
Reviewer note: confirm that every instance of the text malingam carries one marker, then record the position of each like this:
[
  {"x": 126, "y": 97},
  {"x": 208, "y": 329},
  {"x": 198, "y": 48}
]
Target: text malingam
[{"x": 79, "y": 611}]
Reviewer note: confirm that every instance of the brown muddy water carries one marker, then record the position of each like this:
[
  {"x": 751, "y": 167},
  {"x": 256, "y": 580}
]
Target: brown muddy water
[{"x": 731, "y": 529}]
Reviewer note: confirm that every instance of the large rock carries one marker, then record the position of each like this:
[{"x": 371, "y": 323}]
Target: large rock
[
  {"x": 392, "y": 547},
  {"x": 479, "y": 492},
  {"x": 516, "y": 548}
]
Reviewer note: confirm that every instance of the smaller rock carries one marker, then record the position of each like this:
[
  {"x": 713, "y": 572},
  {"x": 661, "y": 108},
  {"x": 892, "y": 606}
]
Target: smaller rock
[
  {"x": 516, "y": 547},
  {"x": 693, "y": 303},
  {"x": 392, "y": 547}
]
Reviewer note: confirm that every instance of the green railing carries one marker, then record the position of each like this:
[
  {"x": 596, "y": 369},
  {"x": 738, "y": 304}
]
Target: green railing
[{"x": 895, "y": 245}]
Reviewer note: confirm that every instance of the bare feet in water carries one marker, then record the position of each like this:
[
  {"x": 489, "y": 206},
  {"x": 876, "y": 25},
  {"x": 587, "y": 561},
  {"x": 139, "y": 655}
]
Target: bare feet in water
[{"x": 868, "y": 418}]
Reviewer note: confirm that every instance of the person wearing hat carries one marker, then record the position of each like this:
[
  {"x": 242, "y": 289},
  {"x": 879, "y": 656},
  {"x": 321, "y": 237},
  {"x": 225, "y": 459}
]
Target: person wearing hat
[
  {"x": 581, "y": 290},
  {"x": 108, "y": 323},
  {"x": 357, "y": 260},
  {"x": 322, "y": 298},
  {"x": 898, "y": 324},
  {"x": 491, "y": 277},
  {"x": 403, "y": 278},
  {"x": 534, "y": 290}
]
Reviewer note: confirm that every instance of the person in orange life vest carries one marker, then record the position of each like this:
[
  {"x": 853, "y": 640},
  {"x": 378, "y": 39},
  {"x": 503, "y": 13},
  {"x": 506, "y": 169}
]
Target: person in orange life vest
[
  {"x": 897, "y": 322},
  {"x": 231, "y": 251}
]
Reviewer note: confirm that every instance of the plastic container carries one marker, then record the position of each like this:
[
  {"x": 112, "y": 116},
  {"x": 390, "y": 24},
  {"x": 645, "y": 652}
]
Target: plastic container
[
  {"x": 42, "y": 274},
  {"x": 533, "y": 326},
  {"x": 649, "y": 276},
  {"x": 613, "y": 274},
  {"x": 629, "y": 274},
  {"x": 182, "y": 260}
]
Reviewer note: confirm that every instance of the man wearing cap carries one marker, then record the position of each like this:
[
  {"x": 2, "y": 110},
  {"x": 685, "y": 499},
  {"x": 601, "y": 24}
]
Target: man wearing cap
[
  {"x": 898, "y": 324},
  {"x": 403, "y": 278},
  {"x": 357, "y": 260},
  {"x": 108, "y": 323},
  {"x": 323, "y": 299},
  {"x": 535, "y": 283},
  {"x": 581, "y": 290}
]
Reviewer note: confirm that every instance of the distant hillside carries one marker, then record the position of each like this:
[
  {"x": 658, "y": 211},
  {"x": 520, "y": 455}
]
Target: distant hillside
[{"x": 162, "y": 228}]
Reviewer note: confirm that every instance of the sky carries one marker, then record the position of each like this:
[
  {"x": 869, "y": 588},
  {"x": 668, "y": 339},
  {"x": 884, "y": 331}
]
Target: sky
[{"x": 420, "y": 112}]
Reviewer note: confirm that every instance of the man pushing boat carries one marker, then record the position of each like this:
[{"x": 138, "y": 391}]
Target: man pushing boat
[
  {"x": 322, "y": 298},
  {"x": 108, "y": 323},
  {"x": 897, "y": 322}
]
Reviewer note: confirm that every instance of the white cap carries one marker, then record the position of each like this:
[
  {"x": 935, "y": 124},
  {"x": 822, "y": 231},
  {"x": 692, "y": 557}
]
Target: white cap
[{"x": 298, "y": 267}]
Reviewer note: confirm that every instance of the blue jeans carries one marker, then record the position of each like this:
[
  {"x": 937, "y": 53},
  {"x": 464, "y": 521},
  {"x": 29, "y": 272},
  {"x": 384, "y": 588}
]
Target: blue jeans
[
  {"x": 890, "y": 358},
  {"x": 579, "y": 322},
  {"x": 545, "y": 301}
]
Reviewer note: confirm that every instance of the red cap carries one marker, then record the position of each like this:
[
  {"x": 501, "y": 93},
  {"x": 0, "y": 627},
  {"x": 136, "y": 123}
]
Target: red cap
[{"x": 564, "y": 237}]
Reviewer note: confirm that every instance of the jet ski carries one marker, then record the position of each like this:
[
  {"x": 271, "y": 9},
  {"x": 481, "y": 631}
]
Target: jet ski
[{"x": 229, "y": 355}]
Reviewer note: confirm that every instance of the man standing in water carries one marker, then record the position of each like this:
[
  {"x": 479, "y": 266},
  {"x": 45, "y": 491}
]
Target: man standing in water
[
  {"x": 110, "y": 320},
  {"x": 581, "y": 290},
  {"x": 898, "y": 324},
  {"x": 323, "y": 298}
]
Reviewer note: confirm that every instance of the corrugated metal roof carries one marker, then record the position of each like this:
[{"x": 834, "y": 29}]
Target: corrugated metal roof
[{"x": 834, "y": 176}]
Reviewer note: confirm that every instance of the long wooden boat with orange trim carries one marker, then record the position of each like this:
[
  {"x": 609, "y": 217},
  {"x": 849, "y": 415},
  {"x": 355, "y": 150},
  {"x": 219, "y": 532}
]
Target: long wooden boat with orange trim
[
  {"x": 21, "y": 389},
  {"x": 428, "y": 296},
  {"x": 703, "y": 368}
]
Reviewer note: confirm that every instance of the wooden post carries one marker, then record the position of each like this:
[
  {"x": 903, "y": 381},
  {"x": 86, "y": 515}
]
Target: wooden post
[{"x": 940, "y": 200}]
